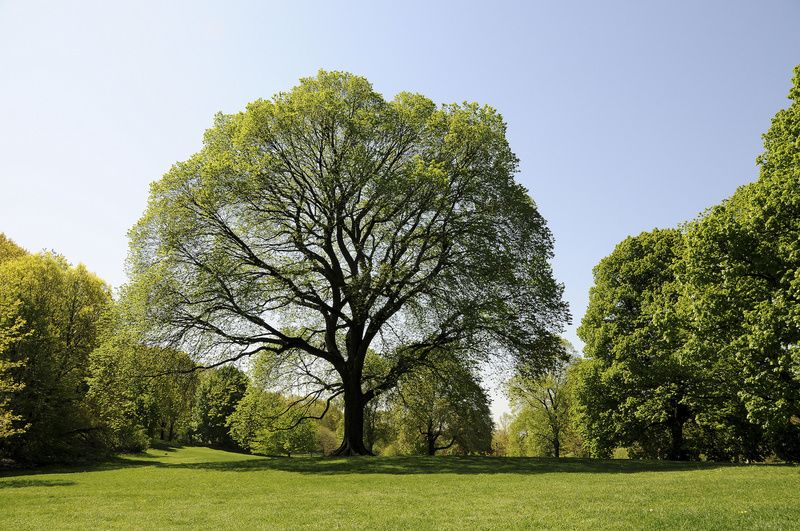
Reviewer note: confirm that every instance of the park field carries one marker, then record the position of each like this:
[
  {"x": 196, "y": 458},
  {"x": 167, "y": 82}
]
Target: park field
[{"x": 203, "y": 488}]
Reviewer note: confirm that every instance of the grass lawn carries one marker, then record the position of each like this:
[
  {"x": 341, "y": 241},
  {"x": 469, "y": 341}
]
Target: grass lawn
[{"x": 204, "y": 488}]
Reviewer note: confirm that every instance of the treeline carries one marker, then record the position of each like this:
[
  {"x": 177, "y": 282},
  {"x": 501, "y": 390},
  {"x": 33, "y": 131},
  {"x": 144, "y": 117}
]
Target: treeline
[
  {"x": 692, "y": 334},
  {"x": 77, "y": 382}
]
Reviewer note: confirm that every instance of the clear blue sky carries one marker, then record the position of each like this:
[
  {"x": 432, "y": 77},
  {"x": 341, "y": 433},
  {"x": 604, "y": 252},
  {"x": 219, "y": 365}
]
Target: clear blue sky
[{"x": 626, "y": 115}]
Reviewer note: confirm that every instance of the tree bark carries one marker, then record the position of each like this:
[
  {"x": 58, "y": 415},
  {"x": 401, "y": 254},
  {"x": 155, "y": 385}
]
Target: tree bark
[
  {"x": 353, "y": 439},
  {"x": 431, "y": 439},
  {"x": 677, "y": 452}
]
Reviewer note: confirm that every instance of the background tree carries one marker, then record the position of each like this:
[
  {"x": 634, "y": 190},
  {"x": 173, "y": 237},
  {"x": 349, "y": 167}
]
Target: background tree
[
  {"x": 443, "y": 407},
  {"x": 638, "y": 387},
  {"x": 262, "y": 425},
  {"x": 327, "y": 221},
  {"x": 11, "y": 327},
  {"x": 218, "y": 394},
  {"x": 9, "y": 249},
  {"x": 140, "y": 393},
  {"x": 11, "y": 331},
  {"x": 264, "y": 421},
  {"x": 57, "y": 309},
  {"x": 502, "y": 434},
  {"x": 743, "y": 276},
  {"x": 543, "y": 405}
]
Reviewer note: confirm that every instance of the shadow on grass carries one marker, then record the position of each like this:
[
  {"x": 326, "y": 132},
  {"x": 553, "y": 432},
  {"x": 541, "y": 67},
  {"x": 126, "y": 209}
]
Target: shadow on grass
[
  {"x": 443, "y": 465},
  {"x": 22, "y": 483},
  {"x": 385, "y": 465}
]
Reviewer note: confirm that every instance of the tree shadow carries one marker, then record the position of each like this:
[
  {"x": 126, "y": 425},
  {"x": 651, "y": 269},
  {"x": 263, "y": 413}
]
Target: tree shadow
[
  {"x": 390, "y": 465},
  {"x": 446, "y": 465},
  {"x": 164, "y": 446},
  {"x": 113, "y": 463},
  {"x": 23, "y": 483}
]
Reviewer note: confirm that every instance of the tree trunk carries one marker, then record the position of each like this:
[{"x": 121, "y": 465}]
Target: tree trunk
[
  {"x": 676, "y": 451},
  {"x": 353, "y": 440},
  {"x": 555, "y": 430},
  {"x": 431, "y": 439},
  {"x": 171, "y": 430}
]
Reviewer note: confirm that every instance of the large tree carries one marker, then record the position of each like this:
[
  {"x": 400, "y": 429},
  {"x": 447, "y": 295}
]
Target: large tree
[
  {"x": 743, "y": 277},
  {"x": 636, "y": 385},
  {"x": 328, "y": 221}
]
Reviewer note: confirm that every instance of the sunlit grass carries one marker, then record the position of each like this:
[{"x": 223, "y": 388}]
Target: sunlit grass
[{"x": 205, "y": 488}]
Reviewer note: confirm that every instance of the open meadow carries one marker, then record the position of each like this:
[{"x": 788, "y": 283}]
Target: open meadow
[{"x": 204, "y": 488}]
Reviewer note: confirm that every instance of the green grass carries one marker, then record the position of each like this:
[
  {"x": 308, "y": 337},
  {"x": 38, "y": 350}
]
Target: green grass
[{"x": 204, "y": 488}]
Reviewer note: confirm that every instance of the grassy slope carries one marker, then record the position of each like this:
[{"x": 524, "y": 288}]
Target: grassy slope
[{"x": 200, "y": 487}]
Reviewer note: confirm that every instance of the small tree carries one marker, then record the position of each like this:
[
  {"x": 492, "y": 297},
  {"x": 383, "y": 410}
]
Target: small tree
[
  {"x": 218, "y": 394},
  {"x": 542, "y": 403},
  {"x": 442, "y": 407},
  {"x": 261, "y": 425}
]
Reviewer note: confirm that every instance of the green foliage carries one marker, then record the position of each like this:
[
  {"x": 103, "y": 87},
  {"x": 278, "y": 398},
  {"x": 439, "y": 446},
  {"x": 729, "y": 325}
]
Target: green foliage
[
  {"x": 218, "y": 394},
  {"x": 263, "y": 425},
  {"x": 743, "y": 278},
  {"x": 269, "y": 423},
  {"x": 314, "y": 223},
  {"x": 9, "y": 250},
  {"x": 51, "y": 313},
  {"x": 637, "y": 382},
  {"x": 11, "y": 331},
  {"x": 11, "y": 326},
  {"x": 138, "y": 392},
  {"x": 693, "y": 335},
  {"x": 543, "y": 423},
  {"x": 443, "y": 407}
]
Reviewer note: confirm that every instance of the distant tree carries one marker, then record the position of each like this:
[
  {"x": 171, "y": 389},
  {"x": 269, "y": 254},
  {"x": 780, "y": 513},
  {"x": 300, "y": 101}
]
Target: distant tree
[
  {"x": 54, "y": 311},
  {"x": 138, "y": 392},
  {"x": 443, "y": 407},
  {"x": 266, "y": 422},
  {"x": 328, "y": 221},
  {"x": 292, "y": 434},
  {"x": 261, "y": 425},
  {"x": 542, "y": 403},
  {"x": 218, "y": 394},
  {"x": 743, "y": 283},
  {"x": 637, "y": 387},
  {"x": 501, "y": 435}
]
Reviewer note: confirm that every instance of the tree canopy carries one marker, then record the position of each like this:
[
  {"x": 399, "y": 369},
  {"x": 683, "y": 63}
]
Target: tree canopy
[
  {"x": 693, "y": 333},
  {"x": 50, "y": 314},
  {"x": 327, "y": 221}
]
